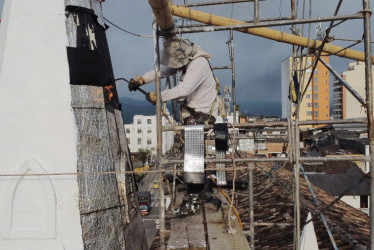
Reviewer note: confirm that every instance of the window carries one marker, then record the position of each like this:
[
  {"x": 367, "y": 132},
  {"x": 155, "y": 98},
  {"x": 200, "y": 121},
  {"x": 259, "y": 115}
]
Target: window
[
  {"x": 364, "y": 201},
  {"x": 315, "y": 79},
  {"x": 149, "y": 130},
  {"x": 316, "y": 105},
  {"x": 315, "y": 113},
  {"x": 139, "y": 121},
  {"x": 316, "y": 71},
  {"x": 139, "y": 131},
  {"x": 308, "y": 96},
  {"x": 128, "y": 141},
  {"x": 315, "y": 88},
  {"x": 149, "y": 121},
  {"x": 309, "y": 113},
  {"x": 127, "y": 131},
  {"x": 309, "y": 104},
  {"x": 139, "y": 141},
  {"x": 149, "y": 141},
  {"x": 315, "y": 96}
]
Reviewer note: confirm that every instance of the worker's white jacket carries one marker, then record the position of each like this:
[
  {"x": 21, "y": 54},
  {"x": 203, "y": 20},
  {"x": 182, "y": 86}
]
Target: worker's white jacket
[{"x": 198, "y": 86}]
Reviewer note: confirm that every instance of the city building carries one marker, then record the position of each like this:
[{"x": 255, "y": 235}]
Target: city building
[
  {"x": 315, "y": 104},
  {"x": 142, "y": 134},
  {"x": 345, "y": 105}
]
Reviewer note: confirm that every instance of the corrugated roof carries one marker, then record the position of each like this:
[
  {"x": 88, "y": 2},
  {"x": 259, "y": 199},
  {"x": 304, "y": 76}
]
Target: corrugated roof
[{"x": 336, "y": 184}]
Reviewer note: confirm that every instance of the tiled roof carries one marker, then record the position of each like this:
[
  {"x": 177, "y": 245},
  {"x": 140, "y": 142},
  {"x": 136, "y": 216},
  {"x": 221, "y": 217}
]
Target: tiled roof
[{"x": 273, "y": 204}]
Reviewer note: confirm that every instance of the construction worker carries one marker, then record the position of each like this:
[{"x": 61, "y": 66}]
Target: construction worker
[{"x": 197, "y": 85}]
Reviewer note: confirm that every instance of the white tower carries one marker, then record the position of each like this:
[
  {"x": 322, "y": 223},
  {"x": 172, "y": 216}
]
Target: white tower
[{"x": 59, "y": 132}]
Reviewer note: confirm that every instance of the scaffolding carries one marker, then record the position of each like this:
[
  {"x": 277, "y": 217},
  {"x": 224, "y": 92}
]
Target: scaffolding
[{"x": 214, "y": 23}]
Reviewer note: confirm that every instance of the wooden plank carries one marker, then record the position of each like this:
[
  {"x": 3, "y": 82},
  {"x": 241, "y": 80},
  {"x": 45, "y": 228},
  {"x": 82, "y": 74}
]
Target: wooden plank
[
  {"x": 217, "y": 226},
  {"x": 195, "y": 231},
  {"x": 178, "y": 234}
]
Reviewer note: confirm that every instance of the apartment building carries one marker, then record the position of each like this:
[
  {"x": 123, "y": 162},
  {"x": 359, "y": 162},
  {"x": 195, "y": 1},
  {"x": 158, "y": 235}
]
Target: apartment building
[
  {"x": 142, "y": 134},
  {"x": 315, "y": 104},
  {"x": 345, "y": 104}
]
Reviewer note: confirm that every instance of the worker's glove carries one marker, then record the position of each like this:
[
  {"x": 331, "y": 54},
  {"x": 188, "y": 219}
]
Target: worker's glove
[
  {"x": 135, "y": 83},
  {"x": 151, "y": 97}
]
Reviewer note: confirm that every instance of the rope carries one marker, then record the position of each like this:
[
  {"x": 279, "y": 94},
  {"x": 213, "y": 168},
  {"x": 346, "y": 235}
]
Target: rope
[{"x": 121, "y": 172}]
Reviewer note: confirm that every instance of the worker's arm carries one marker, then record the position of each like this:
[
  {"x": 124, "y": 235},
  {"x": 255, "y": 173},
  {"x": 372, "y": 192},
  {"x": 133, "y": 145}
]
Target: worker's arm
[
  {"x": 197, "y": 72},
  {"x": 150, "y": 76},
  {"x": 164, "y": 72}
]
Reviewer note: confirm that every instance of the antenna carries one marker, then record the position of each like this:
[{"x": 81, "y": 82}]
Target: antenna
[{"x": 319, "y": 32}]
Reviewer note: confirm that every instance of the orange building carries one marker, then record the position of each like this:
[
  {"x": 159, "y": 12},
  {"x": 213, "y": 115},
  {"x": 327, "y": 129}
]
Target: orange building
[{"x": 315, "y": 104}]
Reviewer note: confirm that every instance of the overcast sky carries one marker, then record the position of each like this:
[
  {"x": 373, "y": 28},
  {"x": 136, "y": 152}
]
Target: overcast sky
[{"x": 258, "y": 60}]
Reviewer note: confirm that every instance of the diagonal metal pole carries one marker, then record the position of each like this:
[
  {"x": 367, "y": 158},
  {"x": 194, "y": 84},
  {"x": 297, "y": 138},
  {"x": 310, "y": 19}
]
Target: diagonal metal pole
[
  {"x": 344, "y": 83},
  {"x": 369, "y": 109},
  {"x": 323, "y": 218}
]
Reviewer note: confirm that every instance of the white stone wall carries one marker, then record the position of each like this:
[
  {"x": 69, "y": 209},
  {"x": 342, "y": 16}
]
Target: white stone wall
[
  {"x": 37, "y": 130},
  {"x": 351, "y": 200},
  {"x": 354, "y": 201}
]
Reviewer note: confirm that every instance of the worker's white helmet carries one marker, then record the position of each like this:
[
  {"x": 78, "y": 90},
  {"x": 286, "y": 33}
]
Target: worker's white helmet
[{"x": 178, "y": 52}]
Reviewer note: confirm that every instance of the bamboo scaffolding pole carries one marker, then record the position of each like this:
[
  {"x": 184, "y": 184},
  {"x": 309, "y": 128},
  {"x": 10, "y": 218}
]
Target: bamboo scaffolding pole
[
  {"x": 275, "y": 35},
  {"x": 161, "y": 12}
]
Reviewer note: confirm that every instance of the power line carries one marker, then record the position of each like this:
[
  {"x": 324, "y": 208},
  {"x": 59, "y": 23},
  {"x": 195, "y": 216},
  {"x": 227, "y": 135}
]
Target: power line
[{"x": 118, "y": 27}]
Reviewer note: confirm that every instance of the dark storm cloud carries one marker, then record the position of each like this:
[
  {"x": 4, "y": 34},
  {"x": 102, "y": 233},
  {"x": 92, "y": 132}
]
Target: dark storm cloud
[{"x": 257, "y": 60}]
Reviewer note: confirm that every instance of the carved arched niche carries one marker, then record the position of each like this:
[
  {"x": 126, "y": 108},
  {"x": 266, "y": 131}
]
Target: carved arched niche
[{"x": 30, "y": 204}]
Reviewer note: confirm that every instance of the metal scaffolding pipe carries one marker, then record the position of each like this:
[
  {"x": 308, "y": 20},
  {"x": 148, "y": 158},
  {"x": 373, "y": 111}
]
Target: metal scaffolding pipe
[
  {"x": 276, "y": 159},
  {"x": 323, "y": 218},
  {"x": 296, "y": 162},
  {"x": 256, "y": 15},
  {"x": 219, "y": 3},
  {"x": 346, "y": 84},
  {"x": 221, "y": 67},
  {"x": 369, "y": 109},
  {"x": 267, "y": 224},
  {"x": 245, "y": 21},
  {"x": 233, "y": 82},
  {"x": 276, "y": 124},
  {"x": 251, "y": 209},
  {"x": 161, "y": 212},
  {"x": 275, "y": 35},
  {"x": 207, "y": 28}
]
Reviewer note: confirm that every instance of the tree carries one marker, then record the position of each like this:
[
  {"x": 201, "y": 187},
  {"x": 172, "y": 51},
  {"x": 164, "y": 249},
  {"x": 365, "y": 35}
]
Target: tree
[{"x": 144, "y": 155}]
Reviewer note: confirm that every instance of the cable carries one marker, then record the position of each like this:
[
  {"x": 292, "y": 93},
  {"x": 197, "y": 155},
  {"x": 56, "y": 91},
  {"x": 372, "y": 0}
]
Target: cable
[{"x": 146, "y": 36}]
